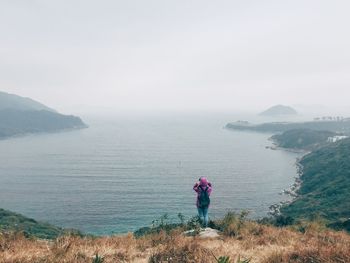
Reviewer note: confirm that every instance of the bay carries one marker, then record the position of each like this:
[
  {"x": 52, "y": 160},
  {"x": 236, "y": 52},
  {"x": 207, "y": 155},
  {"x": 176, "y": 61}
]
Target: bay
[{"x": 125, "y": 171}]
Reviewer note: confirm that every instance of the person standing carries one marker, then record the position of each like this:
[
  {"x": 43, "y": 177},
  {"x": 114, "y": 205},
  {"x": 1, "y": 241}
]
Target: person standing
[{"x": 203, "y": 188}]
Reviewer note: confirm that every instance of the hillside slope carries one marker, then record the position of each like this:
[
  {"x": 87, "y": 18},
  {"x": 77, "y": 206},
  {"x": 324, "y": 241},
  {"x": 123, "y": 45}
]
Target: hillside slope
[
  {"x": 16, "y": 122},
  {"x": 15, "y": 102},
  {"x": 325, "y": 188},
  {"x": 246, "y": 240},
  {"x": 21, "y": 116},
  {"x": 302, "y": 139},
  {"x": 10, "y": 221}
]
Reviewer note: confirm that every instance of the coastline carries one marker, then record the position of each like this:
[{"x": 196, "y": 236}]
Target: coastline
[
  {"x": 292, "y": 191},
  {"x": 25, "y": 134}
]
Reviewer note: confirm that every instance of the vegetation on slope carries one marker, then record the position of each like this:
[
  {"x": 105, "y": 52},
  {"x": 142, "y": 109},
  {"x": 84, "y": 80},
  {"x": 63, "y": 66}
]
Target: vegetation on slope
[
  {"x": 324, "y": 191},
  {"x": 302, "y": 139},
  {"x": 10, "y": 221},
  {"x": 240, "y": 241},
  {"x": 325, "y": 180}
]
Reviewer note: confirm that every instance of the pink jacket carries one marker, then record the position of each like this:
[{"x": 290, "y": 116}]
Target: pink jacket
[{"x": 198, "y": 190}]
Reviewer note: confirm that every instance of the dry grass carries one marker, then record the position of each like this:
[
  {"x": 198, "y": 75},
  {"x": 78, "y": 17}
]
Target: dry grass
[{"x": 260, "y": 243}]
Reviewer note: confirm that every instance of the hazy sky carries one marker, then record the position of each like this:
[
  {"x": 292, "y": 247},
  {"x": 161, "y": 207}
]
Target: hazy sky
[{"x": 180, "y": 54}]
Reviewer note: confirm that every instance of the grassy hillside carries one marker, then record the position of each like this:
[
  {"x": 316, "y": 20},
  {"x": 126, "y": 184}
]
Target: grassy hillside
[
  {"x": 240, "y": 241},
  {"x": 10, "y": 221},
  {"x": 302, "y": 139},
  {"x": 325, "y": 189}
]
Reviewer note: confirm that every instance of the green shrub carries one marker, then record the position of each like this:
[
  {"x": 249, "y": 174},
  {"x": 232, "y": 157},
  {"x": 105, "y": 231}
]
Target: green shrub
[
  {"x": 98, "y": 259},
  {"x": 232, "y": 223}
]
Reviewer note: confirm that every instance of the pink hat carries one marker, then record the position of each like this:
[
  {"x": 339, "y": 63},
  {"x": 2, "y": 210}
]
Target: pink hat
[{"x": 203, "y": 181}]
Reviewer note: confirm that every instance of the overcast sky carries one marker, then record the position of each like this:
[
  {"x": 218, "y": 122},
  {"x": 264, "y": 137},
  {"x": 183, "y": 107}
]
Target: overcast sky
[{"x": 176, "y": 55}]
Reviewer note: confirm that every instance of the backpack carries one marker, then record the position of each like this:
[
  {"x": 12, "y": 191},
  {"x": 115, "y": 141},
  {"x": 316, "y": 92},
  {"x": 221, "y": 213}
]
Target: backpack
[{"x": 203, "y": 199}]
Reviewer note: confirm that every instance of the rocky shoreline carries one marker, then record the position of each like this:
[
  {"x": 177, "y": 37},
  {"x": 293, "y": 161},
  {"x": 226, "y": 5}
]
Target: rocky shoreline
[{"x": 292, "y": 191}]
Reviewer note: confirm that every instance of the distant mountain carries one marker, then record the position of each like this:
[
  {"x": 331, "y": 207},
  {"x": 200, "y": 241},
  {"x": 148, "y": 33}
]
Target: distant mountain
[
  {"x": 279, "y": 110},
  {"x": 14, "y": 102},
  {"x": 20, "y": 116}
]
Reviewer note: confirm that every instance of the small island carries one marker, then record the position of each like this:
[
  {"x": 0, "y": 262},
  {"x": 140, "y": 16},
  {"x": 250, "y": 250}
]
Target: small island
[{"x": 279, "y": 110}]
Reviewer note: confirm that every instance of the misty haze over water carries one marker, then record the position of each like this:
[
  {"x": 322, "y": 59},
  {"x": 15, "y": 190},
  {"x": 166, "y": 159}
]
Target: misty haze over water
[{"x": 176, "y": 55}]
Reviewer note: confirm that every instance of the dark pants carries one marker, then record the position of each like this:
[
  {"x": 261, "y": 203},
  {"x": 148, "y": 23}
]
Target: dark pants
[{"x": 203, "y": 215}]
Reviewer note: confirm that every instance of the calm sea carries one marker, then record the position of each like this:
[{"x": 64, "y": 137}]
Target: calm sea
[{"x": 125, "y": 171}]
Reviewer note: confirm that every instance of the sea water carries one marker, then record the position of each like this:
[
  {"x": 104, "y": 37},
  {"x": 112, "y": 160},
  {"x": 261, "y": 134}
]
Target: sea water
[{"x": 123, "y": 172}]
